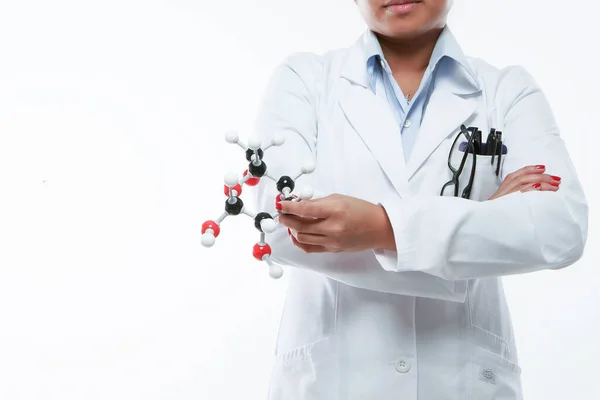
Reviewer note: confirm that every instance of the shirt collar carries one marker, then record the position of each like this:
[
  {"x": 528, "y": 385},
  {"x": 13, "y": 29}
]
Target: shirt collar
[
  {"x": 374, "y": 58},
  {"x": 446, "y": 47}
]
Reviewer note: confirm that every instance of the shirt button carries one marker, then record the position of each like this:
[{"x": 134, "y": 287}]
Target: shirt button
[
  {"x": 407, "y": 123},
  {"x": 402, "y": 365}
]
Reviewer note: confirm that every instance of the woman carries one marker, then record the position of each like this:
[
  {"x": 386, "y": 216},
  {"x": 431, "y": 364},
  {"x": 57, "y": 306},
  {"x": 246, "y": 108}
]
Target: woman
[{"x": 396, "y": 291}]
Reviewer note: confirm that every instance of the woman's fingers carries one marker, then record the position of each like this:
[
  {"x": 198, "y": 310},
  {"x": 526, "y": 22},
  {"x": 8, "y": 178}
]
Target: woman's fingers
[
  {"x": 542, "y": 182},
  {"x": 513, "y": 181},
  {"x": 308, "y": 248},
  {"x": 526, "y": 179},
  {"x": 310, "y": 238},
  {"x": 306, "y": 225},
  {"x": 542, "y": 187},
  {"x": 529, "y": 179},
  {"x": 533, "y": 179},
  {"x": 529, "y": 170}
]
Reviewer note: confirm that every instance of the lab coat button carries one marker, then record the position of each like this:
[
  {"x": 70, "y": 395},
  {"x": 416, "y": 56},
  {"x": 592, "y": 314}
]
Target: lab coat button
[
  {"x": 407, "y": 123},
  {"x": 402, "y": 365}
]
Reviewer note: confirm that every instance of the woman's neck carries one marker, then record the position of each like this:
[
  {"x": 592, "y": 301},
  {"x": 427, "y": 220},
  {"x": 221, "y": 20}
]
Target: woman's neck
[{"x": 409, "y": 55}]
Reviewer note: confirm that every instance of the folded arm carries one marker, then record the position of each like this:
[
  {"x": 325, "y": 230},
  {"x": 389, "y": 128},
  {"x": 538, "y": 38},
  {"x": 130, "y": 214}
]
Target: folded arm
[{"x": 456, "y": 239}]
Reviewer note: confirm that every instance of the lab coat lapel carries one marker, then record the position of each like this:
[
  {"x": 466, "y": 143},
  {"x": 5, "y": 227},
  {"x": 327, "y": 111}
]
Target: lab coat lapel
[
  {"x": 445, "y": 113},
  {"x": 373, "y": 120},
  {"x": 452, "y": 102},
  {"x": 456, "y": 93},
  {"x": 371, "y": 117}
]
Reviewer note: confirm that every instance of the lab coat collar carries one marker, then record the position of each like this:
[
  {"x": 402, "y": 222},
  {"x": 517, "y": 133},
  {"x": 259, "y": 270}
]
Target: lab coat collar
[
  {"x": 464, "y": 79},
  {"x": 450, "y": 105}
]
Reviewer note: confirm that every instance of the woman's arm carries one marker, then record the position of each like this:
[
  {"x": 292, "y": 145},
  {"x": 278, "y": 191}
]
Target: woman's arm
[
  {"x": 289, "y": 109},
  {"x": 452, "y": 238}
]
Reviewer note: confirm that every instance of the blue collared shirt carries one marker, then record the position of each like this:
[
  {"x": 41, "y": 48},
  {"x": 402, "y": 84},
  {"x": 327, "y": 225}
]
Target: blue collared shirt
[{"x": 409, "y": 114}]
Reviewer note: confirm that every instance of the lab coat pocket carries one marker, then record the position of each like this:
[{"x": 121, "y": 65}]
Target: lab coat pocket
[
  {"x": 307, "y": 372},
  {"x": 485, "y": 181},
  {"x": 493, "y": 377}
]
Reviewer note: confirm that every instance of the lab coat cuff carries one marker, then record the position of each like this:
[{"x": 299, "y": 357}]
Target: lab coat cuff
[
  {"x": 392, "y": 260},
  {"x": 404, "y": 257}
]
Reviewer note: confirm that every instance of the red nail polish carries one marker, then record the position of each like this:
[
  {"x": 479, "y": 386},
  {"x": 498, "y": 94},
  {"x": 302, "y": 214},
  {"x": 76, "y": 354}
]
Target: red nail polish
[
  {"x": 555, "y": 184},
  {"x": 537, "y": 185},
  {"x": 540, "y": 166},
  {"x": 556, "y": 178},
  {"x": 289, "y": 232},
  {"x": 278, "y": 206}
]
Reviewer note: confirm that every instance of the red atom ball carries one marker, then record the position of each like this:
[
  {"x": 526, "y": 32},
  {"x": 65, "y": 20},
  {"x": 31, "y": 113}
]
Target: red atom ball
[
  {"x": 260, "y": 250},
  {"x": 237, "y": 188},
  {"x": 251, "y": 181},
  {"x": 279, "y": 200},
  {"x": 211, "y": 225}
]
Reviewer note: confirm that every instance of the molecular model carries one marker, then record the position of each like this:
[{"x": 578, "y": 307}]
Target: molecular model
[{"x": 263, "y": 221}]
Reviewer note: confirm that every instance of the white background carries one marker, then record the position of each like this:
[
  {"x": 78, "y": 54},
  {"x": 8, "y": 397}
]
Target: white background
[{"x": 112, "y": 155}]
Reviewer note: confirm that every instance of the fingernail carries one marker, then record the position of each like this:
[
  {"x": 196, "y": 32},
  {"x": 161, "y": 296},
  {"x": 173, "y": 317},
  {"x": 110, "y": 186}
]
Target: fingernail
[
  {"x": 555, "y": 184},
  {"x": 278, "y": 206},
  {"x": 556, "y": 178},
  {"x": 540, "y": 166},
  {"x": 537, "y": 185},
  {"x": 289, "y": 232}
]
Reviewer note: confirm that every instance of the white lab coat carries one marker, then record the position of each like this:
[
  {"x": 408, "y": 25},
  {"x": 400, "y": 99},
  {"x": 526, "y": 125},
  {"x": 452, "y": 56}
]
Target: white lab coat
[{"x": 430, "y": 320}]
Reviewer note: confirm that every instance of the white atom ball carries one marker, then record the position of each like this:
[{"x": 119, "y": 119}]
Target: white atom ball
[
  {"x": 254, "y": 143},
  {"x": 306, "y": 193},
  {"x": 231, "y": 179},
  {"x": 309, "y": 167},
  {"x": 277, "y": 140},
  {"x": 268, "y": 225},
  {"x": 207, "y": 240},
  {"x": 275, "y": 271},
  {"x": 231, "y": 136}
]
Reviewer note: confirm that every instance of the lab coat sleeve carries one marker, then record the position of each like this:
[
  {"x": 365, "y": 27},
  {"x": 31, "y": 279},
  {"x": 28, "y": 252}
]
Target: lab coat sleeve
[
  {"x": 289, "y": 109},
  {"x": 457, "y": 239}
]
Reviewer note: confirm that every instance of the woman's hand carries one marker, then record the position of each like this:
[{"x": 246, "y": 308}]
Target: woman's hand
[
  {"x": 336, "y": 223},
  {"x": 527, "y": 179}
]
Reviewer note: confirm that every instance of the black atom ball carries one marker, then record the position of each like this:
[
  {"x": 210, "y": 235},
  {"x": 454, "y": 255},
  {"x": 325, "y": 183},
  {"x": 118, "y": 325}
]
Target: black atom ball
[
  {"x": 259, "y": 218},
  {"x": 257, "y": 171},
  {"x": 234, "y": 208},
  {"x": 285, "y": 181},
  {"x": 250, "y": 153}
]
